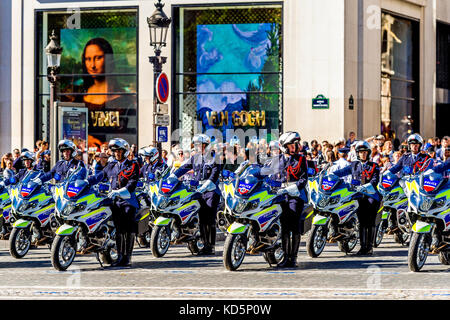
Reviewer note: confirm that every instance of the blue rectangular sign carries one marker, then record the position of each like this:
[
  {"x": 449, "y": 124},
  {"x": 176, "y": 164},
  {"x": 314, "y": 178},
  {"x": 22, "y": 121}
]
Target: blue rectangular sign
[{"x": 162, "y": 134}]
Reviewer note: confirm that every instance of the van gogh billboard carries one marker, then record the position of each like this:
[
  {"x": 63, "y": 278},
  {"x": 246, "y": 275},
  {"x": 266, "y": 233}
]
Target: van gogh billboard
[{"x": 237, "y": 75}]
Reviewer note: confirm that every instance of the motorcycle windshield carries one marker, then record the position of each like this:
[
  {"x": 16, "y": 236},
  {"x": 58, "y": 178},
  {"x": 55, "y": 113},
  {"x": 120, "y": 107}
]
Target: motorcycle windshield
[
  {"x": 28, "y": 187},
  {"x": 80, "y": 173},
  {"x": 388, "y": 180},
  {"x": 76, "y": 182},
  {"x": 431, "y": 181},
  {"x": 169, "y": 185},
  {"x": 329, "y": 183},
  {"x": 30, "y": 176},
  {"x": 247, "y": 185}
]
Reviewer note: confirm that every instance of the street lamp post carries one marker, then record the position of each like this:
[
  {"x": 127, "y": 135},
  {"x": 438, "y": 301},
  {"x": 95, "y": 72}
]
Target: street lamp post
[
  {"x": 158, "y": 24},
  {"x": 53, "y": 52}
]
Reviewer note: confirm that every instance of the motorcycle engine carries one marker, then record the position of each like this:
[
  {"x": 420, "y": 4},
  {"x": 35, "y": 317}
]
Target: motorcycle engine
[{"x": 272, "y": 234}]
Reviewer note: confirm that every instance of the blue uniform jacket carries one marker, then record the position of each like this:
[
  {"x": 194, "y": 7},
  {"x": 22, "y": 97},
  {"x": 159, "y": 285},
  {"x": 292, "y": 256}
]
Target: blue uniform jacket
[
  {"x": 147, "y": 168},
  {"x": 407, "y": 161},
  {"x": 19, "y": 175},
  {"x": 120, "y": 175},
  {"x": 291, "y": 169},
  {"x": 62, "y": 167},
  {"x": 367, "y": 172},
  {"x": 205, "y": 168}
]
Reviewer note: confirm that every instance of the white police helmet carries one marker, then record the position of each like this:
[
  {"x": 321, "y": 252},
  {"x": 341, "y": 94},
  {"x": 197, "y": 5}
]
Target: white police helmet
[
  {"x": 362, "y": 146},
  {"x": 119, "y": 143},
  {"x": 67, "y": 144},
  {"x": 288, "y": 138},
  {"x": 415, "y": 138}
]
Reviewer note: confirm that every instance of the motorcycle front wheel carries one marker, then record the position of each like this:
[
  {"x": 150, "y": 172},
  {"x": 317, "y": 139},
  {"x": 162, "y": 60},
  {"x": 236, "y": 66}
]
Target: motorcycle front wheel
[
  {"x": 418, "y": 251},
  {"x": 64, "y": 250},
  {"x": 234, "y": 251},
  {"x": 317, "y": 240},
  {"x": 379, "y": 235},
  {"x": 19, "y": 242},
  {"x": 160, "y": 241}
]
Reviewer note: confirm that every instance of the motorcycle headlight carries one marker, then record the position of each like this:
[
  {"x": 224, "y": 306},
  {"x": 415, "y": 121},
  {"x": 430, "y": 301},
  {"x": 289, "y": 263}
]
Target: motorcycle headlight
[
  {"x": 240, "y": 206},
  {"x": 252, "y": 205},
  {"x": 334, "y": 200},
  {"x": 23, "y": 207},
  {"x": 172, "y": 202},
  {"x": 426, "y": 204},
  {"x": 392, "y": 197},
  {"x": 323, "y": 201},
  {"x": 163, "y": 202},
  {"x": 439, "y": 203},
  {"x": 69, "y": 208},
  {"x": 229, "y": 201}
]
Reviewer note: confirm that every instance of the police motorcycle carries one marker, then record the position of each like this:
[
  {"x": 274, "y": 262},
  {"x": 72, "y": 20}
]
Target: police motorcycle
[
  {"x": 143, "y": 215},
  {"x": 33, "y": 210},
  {"x": 6, "y": 218},
  {"x": 335, "y": 206},
  {"x": 226, "y": 187},
  {"x": 85, "y": 217},
  {"x": 429, "y": 201},
  {"x": 147, "y": 215},
  {"x": 394, "y": 215},
  {"x": 253, "y": 209},
  {"x": 176, "y": 205}
]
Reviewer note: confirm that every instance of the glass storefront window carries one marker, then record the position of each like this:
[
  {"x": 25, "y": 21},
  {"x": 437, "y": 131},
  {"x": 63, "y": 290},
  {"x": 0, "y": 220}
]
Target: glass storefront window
[
  {"x": 399, "y": 77},
  {"x": 228, "y": 72},
  {"x": 98, "y": 69}
]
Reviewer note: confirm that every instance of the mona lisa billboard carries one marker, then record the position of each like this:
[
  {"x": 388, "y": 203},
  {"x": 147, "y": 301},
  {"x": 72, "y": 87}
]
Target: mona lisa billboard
[{"x": 99, "y": 69}]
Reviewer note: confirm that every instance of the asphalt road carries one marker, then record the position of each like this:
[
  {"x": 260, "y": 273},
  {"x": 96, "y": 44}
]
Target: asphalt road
[{"x": 179, "y": 275}]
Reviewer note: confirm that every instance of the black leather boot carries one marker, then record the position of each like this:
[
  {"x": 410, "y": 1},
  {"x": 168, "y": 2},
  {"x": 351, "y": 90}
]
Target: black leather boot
[
  {"x": 371, "y": 235},
  {"x": 120, "y": 245},
  {"x": 206, "y": 238},
  {"x": 129, "y": 245},
  {"x": 363, "y": 232},
  {"x": 295, "y": 244}
]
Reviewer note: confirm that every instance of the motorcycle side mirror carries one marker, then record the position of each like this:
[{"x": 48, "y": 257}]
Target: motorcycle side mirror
[
  {"x": 193, "y": 183},
  {"x": 232, "y": 175},
  {"x": 151, "y": 176},
  {"x": 12, "y": 180},
  {"x": 226, "y": 173},
  {"x": 311, "y": 171},
  {"x": 140, "y": 184},
  {"x": 57, "y": 177},
  {"x": 356, "y": 182}
]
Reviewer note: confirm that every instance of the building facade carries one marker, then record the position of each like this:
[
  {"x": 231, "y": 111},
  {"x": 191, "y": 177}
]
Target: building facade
[{"x": 322, "y": 67}]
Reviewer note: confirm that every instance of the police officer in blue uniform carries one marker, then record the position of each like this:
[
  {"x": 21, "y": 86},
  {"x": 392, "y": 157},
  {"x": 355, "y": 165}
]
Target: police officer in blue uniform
[
  {"x": 365, "y": 172},
  {"x": 206, "y": 171},
  {"x": 414, "y": 159},
  {"x": 123, "y": 174},
  {"x": 28, "y": 165},
  {"x": 291, "y": 167},
  {"x": 68, "y": 151},
  {"x": 152, "y": 163}
]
